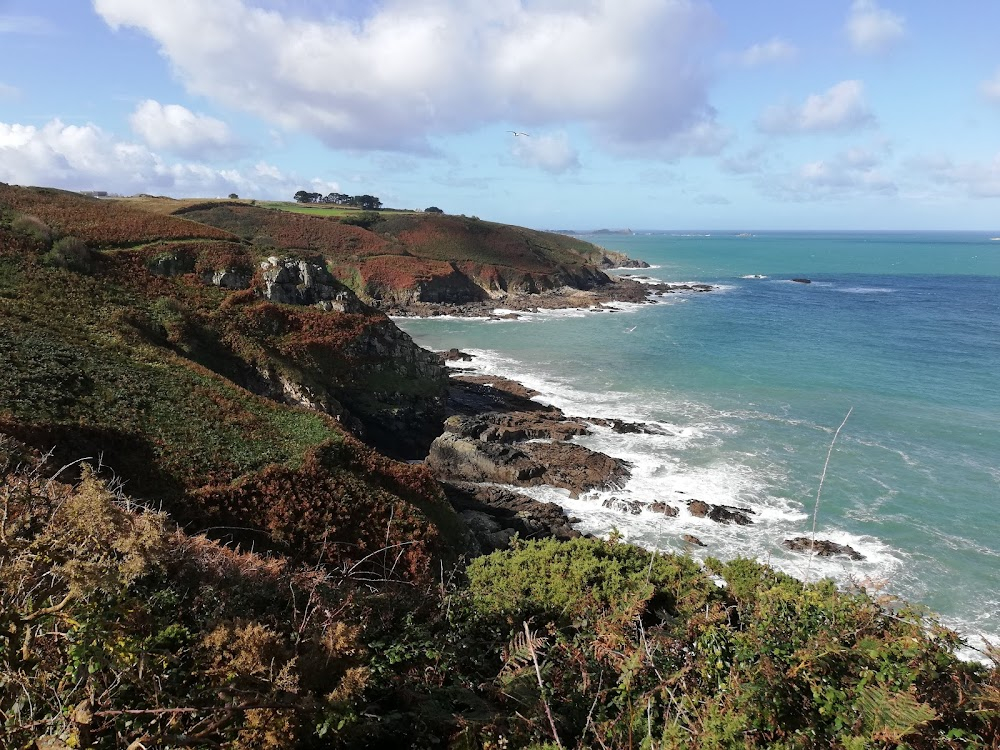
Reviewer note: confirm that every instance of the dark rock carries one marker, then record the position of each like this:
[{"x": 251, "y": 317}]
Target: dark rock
[
  {"x": 495, "y": 514},
  {"x": 698, "y": 509},
  {"x": 512, "y": 427},
  {"x": 668, "y": 510},
  {"x": 728, "y": 514},
  {"x": 720, "y": 513},
  {"x": 802, "y": 281},
  {"x": 627, "y": 428},
  {"x": 454, "y": 355},
  {"x": 479, "y": 394},
  {"x": 821, "y": 547},
  {"x": 568, "y": 466},
  {"x": 632, "y": 507},
  {"x": 691, "y": 539}
]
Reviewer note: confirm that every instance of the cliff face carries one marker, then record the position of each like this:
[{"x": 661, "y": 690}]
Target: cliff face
[
  {"x": 227, "y": 385},
  {"x": 414, "y": 258}
]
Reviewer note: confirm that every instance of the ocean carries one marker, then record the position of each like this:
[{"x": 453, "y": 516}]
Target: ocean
[{"x": 750, "y": 382}]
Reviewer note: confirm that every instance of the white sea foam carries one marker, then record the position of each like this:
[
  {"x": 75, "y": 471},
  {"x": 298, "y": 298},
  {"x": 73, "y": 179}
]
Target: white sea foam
[
  {"x": 671, "y": 466},
  {"x": 865, "y": 290},
  {"x": 754, "y": 276}
]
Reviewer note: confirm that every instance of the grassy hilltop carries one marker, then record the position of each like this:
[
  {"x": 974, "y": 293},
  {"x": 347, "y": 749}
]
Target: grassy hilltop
[{"x": 241, "y": 561}]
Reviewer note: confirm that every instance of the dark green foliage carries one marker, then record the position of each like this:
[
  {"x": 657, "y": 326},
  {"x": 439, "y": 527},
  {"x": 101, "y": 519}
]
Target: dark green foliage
[
  {"x": 364, "y": 219},
  {"x": 70, "y": 253}
]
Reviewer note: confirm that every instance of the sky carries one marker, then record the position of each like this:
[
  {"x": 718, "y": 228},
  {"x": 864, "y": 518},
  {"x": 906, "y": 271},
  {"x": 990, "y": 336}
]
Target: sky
[{"x": 646, "y": 114}]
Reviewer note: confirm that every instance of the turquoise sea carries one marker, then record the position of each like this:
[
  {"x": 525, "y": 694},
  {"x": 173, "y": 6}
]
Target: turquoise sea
[{"x": 751, "y": 381}]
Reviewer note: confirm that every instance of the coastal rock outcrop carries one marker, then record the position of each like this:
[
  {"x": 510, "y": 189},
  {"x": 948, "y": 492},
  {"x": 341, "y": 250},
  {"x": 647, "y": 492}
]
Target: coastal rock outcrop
[
  {"x": 293, "y": 281},
  {"x": 720, "y": 513},
  {"x": 570, "y": 467},
  {"x": 692, "y": 539},
  {"x": 495, "y": 514},
  {"x": 822, "y": 547}
]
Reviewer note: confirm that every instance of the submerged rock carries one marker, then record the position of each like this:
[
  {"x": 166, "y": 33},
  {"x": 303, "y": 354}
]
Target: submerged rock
[
  {"x": 692, "y": 539},
  {"x": 632, "y": 507}
]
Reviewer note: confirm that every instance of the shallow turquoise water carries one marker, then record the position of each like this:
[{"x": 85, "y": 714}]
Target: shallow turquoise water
[{"x": 751, "y": 381}]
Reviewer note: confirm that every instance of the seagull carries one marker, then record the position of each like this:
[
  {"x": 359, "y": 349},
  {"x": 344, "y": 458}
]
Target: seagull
[
  {"x": 516, "y": 133},
  {"x": 629, "y": 330}
]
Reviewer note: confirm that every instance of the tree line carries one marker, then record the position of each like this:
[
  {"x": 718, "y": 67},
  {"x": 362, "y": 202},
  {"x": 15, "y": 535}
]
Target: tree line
[{"x": 366, "y": 202}]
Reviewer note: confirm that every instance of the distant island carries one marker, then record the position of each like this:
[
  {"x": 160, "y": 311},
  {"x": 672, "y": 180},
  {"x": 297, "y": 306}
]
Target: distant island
[{"x": 592, "y": 232}]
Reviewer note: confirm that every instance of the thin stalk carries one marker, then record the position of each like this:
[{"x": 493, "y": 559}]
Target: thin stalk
[{"x": 819, "y": 491}]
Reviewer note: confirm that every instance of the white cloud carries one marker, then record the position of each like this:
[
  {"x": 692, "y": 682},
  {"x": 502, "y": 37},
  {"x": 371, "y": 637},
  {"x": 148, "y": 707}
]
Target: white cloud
[
  {"x": 991, "y": 88},
  {"x": 409, "y": 69},
  {"x": 84, "y": 157},
  {"x": 177, "y": 129},
  {"x": 976, "y": 179},
  {"x": 705, "y": 138},
  {"x": 748, "y": 162},
  {"x": 872, "y": 29},
  {"x": 550, "y": 152},
  {"x": 842, "y": 107},
  {"x": 852, "y": 173},
  {"x": 772, "y": 51}
]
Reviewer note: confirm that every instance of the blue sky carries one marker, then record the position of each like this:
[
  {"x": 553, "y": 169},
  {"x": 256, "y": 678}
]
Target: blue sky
[{"x": 781, "y": 114}]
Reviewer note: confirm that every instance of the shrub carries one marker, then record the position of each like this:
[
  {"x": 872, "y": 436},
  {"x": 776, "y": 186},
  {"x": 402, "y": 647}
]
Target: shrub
[
  {"x": 70, "y": 253},
  {"x": 33, "y": 228},
  {"x": 364, "y": 219}
]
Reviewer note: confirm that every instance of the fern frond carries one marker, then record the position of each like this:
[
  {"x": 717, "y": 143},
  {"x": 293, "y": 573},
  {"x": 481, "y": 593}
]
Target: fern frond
[
  {"x": 518, "y": 653},
  {"x": 890, "y": 716}
]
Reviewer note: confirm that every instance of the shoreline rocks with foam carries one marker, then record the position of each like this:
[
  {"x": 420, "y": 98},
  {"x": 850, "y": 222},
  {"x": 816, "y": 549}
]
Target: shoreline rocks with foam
[{"x": 599, "y": 298}]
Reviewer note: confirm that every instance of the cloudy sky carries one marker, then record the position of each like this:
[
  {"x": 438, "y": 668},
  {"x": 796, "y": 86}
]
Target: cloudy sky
[{"x": 648, "y": 114}]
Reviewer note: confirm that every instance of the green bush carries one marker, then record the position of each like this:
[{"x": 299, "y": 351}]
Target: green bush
[
  {"x": 364, "y": 219},
  {"x": 34, "y": 228},
  {"x": 70, "y": 253}
]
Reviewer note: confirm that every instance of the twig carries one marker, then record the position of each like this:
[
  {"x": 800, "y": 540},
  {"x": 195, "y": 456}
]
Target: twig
[
  {"x": 541, "y": 688},
  {"x": 819, "y": 490}
]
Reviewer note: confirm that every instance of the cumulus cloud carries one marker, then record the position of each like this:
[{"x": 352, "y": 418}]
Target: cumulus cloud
[
  {"x": 84, "y": 157},
  {"x": 772, "y": 51},
  {"x": 842, "y": 107},
  {"x": 177, "y": 129},
  {"x": 409, "y": 69},
  {"x": 552, "y": 152},
  {"x": 991, "y": 88},
  {"x": 852, "y": 173},
  {"x": 871, "y": 29}
]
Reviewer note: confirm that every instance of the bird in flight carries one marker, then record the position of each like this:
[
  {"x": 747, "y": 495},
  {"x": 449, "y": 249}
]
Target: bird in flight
[
  {"x": 629, "y": 330},
  {"x": 516, "y": 133}
]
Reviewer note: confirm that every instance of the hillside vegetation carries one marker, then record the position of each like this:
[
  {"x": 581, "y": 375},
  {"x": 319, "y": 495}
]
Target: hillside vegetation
[{"x": 203, "y": 542}]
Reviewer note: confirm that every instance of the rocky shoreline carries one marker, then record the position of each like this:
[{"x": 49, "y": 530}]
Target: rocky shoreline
[
  {"x": 497, "y": 437},
  {"x": 598, "y": 299}
]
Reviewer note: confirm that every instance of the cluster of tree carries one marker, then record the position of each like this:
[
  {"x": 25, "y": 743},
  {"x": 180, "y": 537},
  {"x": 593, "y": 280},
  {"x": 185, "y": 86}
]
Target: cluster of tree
[{"x": 367, "y": 202}]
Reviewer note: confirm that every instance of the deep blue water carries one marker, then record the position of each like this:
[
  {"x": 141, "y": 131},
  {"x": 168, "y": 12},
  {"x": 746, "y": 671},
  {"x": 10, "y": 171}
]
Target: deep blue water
[{"x": 752, "y": 380}]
